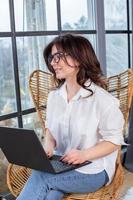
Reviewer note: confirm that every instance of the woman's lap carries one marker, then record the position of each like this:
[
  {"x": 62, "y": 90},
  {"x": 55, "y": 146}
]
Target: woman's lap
[{"x": 40, "y": 184}]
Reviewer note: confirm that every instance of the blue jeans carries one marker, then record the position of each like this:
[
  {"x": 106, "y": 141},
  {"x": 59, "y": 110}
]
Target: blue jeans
[{"x": 47, "y": 186}]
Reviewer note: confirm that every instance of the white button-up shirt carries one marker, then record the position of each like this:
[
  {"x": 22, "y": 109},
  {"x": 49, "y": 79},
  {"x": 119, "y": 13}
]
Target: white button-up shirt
[{"x": 85, "y": 121}]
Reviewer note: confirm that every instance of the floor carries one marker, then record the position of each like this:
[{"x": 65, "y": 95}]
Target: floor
[{"x": 127, "y": 188}]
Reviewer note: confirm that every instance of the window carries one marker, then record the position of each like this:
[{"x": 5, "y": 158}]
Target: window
[
  {"x": 7, "y": 86},
  {"x": 81, "y": 18},
  {"x": 28, "y": 26},
  {"x": 115, "y": 14},
  {"x": 30, "y": 57},
  {"x": 116, "y": 53},
  {"x": 118, "y": 30},
  {"x": 4, "y": 14},
  {"x": 33, "y": 15}
]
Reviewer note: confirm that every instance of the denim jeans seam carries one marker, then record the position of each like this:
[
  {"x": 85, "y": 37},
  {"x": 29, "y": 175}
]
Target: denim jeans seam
[{"x": 41, "y": 192}]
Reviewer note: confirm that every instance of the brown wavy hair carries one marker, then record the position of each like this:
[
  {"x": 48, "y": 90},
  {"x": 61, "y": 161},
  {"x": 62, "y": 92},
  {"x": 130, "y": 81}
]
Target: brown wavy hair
[{"x": 81, "y": 50}]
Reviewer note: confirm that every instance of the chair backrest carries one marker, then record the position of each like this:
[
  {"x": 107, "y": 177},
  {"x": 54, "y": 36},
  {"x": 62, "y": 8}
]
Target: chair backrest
[
  {"x": 40, "y": 84},
  {"x": 120, "y": 86}
]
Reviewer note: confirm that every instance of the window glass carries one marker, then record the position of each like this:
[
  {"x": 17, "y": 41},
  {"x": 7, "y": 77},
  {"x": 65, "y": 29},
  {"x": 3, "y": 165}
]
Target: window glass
[
  {"x": 117, "y": 53},
  {"x": 12, "y": 122},
  {"x": 30, "y": 57},
  {"x": 7, "y": 84},
  {"x": 130, "y": 13},
  {"x": 4, "y": 14},
  {"x": 77, "y": 15},
  {"x": 92, "y": 39},
  {"x": 34, "y": 15},
  {"x": 31, "y": 121},
  {"x": 115, "y": 14}
]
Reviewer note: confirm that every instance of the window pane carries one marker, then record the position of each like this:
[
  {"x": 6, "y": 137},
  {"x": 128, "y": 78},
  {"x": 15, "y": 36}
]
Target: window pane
[
  {"x": 30, "y": 57},
  {"x": 130, "y": 13},
  {"x": 12, "y": 122},
  {"x": 31, "y": 121},
  {"x": 4, "y": 14},
  {"x": 115, "y": 14},
  {"x": 34, "y": 15},
  {"x": 7, "y": 85},
  {"x": 79, "y": 18},
  {"x": 117, "y": 53},
  {"x": 92, "y": 39}
]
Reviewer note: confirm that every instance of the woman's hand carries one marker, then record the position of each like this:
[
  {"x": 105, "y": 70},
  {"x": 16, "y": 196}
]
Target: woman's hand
[
  {"x": 49, "y": 143},
  {"x": 49, "y": 151},
  {"x": 75, "y": 157},
  {"x": 100, "y": 150}
]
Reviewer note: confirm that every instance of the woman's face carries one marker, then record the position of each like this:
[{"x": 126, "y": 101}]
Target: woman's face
[{"x": 63, "y": 69}]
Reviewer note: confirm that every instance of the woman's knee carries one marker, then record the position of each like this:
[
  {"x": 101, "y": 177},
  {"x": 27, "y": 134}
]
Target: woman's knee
[
  {"x": 54, "y": 195},
  {"x": 40, "y": 176}
]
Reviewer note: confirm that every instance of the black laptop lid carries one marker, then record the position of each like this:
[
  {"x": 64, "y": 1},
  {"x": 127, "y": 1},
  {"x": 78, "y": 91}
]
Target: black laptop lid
[{"x": 22, "y": 147}]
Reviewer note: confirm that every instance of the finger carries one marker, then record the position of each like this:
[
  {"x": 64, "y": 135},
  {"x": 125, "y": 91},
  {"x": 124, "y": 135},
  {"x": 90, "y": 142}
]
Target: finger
[
  {"x": 64, "y": 158},
  {"x": 49, "y": 154},
  {"x": 67, "y": 159},
  {"x": 66, "y": 155},
  {"x": 71, "y": 161},
  {"x": 76, "y": 162}
]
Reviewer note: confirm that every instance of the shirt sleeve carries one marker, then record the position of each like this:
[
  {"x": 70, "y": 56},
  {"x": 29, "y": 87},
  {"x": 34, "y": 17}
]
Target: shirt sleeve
[{"x": 111, "y": 125}]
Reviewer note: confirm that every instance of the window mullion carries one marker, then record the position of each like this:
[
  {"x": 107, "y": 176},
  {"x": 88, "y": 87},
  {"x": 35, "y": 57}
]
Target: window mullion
[
  {"x": 100, "y": 28},
  {"x": 15, "y": 63}
]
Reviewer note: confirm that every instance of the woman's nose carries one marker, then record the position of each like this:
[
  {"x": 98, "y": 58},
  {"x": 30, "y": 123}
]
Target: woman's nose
[{"x": 53, "y": 63}]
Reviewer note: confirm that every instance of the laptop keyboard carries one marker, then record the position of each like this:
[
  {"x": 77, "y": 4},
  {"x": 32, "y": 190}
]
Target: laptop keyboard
[{"x": 60, "y": 166}]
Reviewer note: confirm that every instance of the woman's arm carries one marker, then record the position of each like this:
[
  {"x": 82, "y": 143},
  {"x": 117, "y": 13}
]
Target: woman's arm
[
  {"x": 49, "y": 143},
  {"x": 99, "y": 150},
  {"x": 103, "y": 148}
]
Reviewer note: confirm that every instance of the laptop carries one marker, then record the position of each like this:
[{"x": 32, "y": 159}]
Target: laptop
[{"x": 22, "y": 147}]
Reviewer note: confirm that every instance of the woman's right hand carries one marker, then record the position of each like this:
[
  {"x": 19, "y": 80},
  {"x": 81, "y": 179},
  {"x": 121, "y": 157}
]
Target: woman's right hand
[{"x": 49, "y": 151}]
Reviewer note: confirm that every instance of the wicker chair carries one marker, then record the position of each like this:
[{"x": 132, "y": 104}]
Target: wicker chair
[{"x": 121, "y": 86}]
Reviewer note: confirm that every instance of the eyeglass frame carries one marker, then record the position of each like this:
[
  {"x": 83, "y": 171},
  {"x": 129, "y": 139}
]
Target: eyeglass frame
[{"x": 56, "y": 59}]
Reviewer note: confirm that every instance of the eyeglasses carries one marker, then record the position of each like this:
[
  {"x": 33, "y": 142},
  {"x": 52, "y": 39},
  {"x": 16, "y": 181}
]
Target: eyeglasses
[{"x": 55, "y": 57}]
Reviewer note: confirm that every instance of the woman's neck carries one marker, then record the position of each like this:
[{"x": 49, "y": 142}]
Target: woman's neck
[{"x": 72, "y": 87}]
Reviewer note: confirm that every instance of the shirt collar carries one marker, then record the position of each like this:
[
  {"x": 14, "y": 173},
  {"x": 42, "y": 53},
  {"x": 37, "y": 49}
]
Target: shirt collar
[{"x": 80, "y": 94}]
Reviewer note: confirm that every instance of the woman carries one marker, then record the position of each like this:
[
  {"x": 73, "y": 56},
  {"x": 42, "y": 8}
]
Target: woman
[{"x": 83, "y": 123}]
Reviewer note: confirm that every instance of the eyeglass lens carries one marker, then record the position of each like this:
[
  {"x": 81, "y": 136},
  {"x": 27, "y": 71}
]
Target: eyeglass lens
[{"x": 55, "y": 57}]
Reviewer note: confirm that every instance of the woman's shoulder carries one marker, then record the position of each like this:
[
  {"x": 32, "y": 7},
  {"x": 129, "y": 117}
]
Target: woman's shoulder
[
  {"x": 104, "y": 98},
  {"x": 53, "y": 93}
]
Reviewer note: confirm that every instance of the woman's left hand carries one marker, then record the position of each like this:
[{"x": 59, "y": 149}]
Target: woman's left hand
[{"x": 75, "y": 157}]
